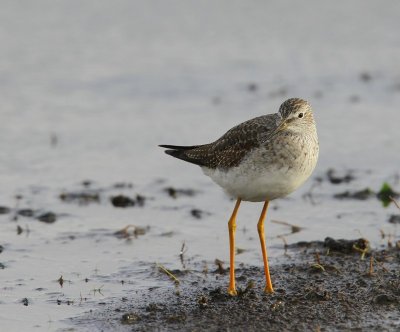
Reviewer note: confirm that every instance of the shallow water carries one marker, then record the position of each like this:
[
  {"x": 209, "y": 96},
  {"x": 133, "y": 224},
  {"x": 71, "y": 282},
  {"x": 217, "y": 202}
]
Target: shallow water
[{"x": 88, "y": 92}]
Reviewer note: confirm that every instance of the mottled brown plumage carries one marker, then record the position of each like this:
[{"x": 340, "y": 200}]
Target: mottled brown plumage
[{"x": 230, "y": 149}]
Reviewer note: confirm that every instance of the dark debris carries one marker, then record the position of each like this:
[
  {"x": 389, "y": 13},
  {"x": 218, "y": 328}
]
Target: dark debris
[
  {"x": 4, "y": 210},
  {"x": 198, "y": 214},
  {"x": 252, "y": 87},
  {"x": 342, "y": 246},
  {"x": 394, "y": 219},
  {"x": 360, "y": 195},
  {"x": 338, "y": 179},
  {"x": 26, "y": 212},
  {"x": 81, "y": 197},
  {"x": 131, "y": 231},
  {"x": 175, "y": 192},
  {"x": 345, "y": 246},
  {"x": 47, "y": 217},
  {"x": 123, "y": 201}
]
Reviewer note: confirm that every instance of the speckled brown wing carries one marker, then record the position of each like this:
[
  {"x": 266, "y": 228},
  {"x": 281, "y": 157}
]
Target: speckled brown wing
[{"x": 231, "y": 148}]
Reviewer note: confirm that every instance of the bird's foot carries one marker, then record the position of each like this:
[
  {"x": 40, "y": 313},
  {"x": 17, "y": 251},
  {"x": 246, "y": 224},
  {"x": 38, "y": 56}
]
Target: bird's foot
[
  {"x": 232, "y": 291},
  {"x": 268, "y": 290}
]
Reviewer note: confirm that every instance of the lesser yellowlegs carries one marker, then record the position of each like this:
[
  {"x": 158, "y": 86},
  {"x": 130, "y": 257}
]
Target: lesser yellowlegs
[{"x": 259, "y": 160}]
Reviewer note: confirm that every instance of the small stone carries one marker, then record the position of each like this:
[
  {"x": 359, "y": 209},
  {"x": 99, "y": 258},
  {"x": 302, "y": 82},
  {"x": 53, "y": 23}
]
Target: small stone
[
  {"x": 26, "y": 212},
  {"x": 4, "y": 210},
  {"x": 48, "y": 217},
  {"x": 384, "y": 299},
  {"x": 252, "y": 87},
  {"x": 337, "y": 179},
  {"x": 122, "y": 201},
  {"x": 129, "y": 318},
  {"x": 196, "y": 213},
  {"x": 366, "y": 77},
  {"x": 394, "y": 219}
]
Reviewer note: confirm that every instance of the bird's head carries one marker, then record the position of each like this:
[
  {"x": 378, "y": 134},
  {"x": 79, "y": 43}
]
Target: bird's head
[{"x": 295, "y": 113}]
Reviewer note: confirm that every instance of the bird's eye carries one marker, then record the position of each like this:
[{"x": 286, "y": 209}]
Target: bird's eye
[{"x": 300, "y": 115}]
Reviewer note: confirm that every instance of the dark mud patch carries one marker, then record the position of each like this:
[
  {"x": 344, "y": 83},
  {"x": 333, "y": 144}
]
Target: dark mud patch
[
  {"x": 90, "y": 195},
  {"x": 346, "y": 293},
  {"x": 4, "y": 210},
  {"x": 122, "y": 201},
  {"x": 334, "y": 245},
  {"x": 47, "y": 217},
  {"x": 359, "y": 194},
  {"x": 81, "y": 197},
  {"x": 179, "y": 192},
  {"x": 2, "y": 266},
  {"x": 335, "y": 177},
  {"x": 386, "y": 194},
  {"x": 26, "y": 212},
  {"x": 43, "y": 216},
  {"x": 394, "y": 219},
  {"x": 199, "y": 214}
]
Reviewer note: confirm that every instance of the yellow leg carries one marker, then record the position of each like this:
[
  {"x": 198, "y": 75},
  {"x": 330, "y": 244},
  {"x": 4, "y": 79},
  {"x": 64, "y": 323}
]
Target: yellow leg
[
  {"x": 232, "y": 229},
  {"x": 260, "y": 228}
]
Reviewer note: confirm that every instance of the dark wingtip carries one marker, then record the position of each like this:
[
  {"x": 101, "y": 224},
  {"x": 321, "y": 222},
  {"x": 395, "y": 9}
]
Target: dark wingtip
[
  {"x": 177, "y": 147},
  {"x": 180, "y": 153},
  {"x": 173, "y": 153}
]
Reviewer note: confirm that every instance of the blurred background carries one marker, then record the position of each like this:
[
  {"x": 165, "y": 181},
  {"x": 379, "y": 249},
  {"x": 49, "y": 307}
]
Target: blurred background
[
  {"x": 89, "y": 89},
  {"x": 113, "y": 80}
]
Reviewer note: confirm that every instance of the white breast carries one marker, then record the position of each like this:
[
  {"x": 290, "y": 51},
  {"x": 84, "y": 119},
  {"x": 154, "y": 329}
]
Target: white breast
[{"x": 262, "y": 176}]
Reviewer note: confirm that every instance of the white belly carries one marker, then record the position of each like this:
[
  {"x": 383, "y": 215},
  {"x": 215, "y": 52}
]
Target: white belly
[{"x": 257, "y": 180}]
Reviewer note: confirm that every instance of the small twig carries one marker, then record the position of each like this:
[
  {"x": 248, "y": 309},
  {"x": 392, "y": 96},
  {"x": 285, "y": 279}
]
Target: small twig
[
  {"x": 220, "y": 266},
  {"x": 317, "y": 258},
  {"x": 61, "y": 281},
  {"x": 285, "y": 245},
  {"x": 318, "y": 266},
  {"x": 381, "y": 265},
  {"x": 294, "y": 228},
  {"x": 371, "y": 266},
  {"x": 389, "y": 242},
  {"x": 309, "y": 194},
  {"x": 168, "y": 273},
  {"x": 97, "y": 290},
  {"x": 395, "y": 202},
  {"x": 125, "y": 234},
  {"x": 362, "y": 251},
  {"x": 181, "y": 254},
  {"x": 205, "y": 269},
  {"x": 183, "y": 249}
]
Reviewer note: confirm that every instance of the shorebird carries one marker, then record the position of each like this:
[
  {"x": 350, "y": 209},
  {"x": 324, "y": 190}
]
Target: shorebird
[{"x": 259, "y": 160}]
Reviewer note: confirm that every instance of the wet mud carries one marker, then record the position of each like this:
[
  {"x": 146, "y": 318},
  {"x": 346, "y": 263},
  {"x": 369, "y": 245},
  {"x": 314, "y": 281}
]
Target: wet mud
[
  {"x": 386, "y": 194},
  {"x": 325, "y": 285}
]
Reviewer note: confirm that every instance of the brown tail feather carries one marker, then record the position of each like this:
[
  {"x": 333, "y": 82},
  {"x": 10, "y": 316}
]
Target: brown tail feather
[{"x": 180, "y": 153}]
